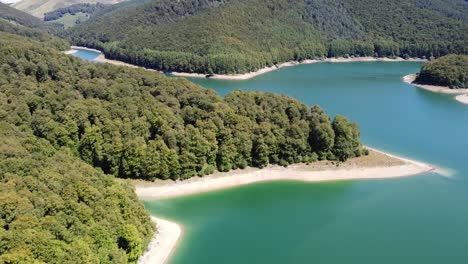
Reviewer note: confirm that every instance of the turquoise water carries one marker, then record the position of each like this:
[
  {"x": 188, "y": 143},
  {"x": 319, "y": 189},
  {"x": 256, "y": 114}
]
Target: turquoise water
[
  {"x": 419, "y": 219},
  {"x": 86, "y": 54}
]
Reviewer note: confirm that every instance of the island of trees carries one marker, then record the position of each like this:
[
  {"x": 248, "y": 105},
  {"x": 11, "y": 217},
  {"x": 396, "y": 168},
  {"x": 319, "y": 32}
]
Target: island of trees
[
  {"x": 69, "y": 127},
  {"x": 450, "y": 71},
  {"x": 229, "y": 37}
]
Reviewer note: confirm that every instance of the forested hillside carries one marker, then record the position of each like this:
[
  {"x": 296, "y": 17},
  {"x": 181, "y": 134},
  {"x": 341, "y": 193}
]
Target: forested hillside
[
  {"x": 39, "y": 7},
  {"x": 451, "y": 71},
  {"x": 238, "y": 36},
  {"x": 22, "y": 24},
  {"x": 55, "y": 208}
]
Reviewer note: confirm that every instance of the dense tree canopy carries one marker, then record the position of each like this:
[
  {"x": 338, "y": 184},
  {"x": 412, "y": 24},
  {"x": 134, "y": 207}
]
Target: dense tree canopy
[
  {"x": 238, "y": 36},
  {"x": 139, "y": 124},
  {"x": 87, "y": 8},
  {"x": 54, "y": 208},
  {"x": 451, "y": 71}
]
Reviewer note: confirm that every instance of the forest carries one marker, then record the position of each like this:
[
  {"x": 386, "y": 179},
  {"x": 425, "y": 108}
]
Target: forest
[
  {"x": 69, "y": 127},
  {"x": 450, "y": 70},
  {"x": 54, "y": 207},
  {"x": 86, "y": 8},
  {"x": 230, "y": 37}
]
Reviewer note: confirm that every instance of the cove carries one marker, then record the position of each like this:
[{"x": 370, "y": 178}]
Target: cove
[
  {"x": 88, "y": 55},
  {"x": 407, "y": 220}
]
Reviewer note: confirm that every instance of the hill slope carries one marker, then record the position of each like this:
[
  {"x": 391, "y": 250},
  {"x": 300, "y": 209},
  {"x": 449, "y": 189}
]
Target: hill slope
[
  {"x": 237, "y": 36},
  {"x": 39, "y": 7}
]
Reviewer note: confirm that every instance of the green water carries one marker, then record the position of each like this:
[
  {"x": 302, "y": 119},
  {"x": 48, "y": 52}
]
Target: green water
[{"x": 421, "y": 219}]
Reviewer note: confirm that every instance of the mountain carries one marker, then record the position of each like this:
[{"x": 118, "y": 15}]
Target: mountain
[
  {"x": 20, "y": 23},
  {"x": 238, "y": 36},
  {"x": 39, "y": 7}
]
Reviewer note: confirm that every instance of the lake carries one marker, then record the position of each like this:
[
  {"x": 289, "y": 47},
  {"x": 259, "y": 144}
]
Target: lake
[
  {"x": 421, "y": 219},
  {"x": 86, "y": 54}
]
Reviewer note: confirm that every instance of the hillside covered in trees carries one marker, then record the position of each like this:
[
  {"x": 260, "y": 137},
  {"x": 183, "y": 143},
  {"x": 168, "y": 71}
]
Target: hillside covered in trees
[
  {"x": 55, "y": 208},
  {"x": 238, "y": 36},
  {"x": 39, "y": 8},
  {"x": 450, "y": 70}
]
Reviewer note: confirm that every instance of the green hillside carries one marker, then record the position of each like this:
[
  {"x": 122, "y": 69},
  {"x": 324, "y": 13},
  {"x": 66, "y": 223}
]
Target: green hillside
[
  {"x": 238, "y": 36},
  {"x": 19, "y": 23},
  {"x": 55, "y": 208},
  {"x": 451, "y": 71},
  {"x": 38, "y": 8},
  {"x": 69, "y": 126}
]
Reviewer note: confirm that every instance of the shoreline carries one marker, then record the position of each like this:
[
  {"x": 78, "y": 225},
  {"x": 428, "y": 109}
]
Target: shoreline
[
  {"x": 245, "y": 76},
  {"x": 164, "y": 242},
  {"x": 168, "y": 234},
  {"x": 295, "y": 172},
  {"x": 249, "y": 75},
  {"x": 462, "y": 98},
  {"x": 409, "y": 79}
]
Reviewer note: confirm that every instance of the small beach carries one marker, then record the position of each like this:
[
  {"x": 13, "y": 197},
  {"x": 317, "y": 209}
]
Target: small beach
[
  {"x": 163, "y": 243},
  {"x": 409, "y": 79},
  {"x": 377, "y": 165}
]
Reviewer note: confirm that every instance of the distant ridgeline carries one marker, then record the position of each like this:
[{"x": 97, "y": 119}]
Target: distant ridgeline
[
  {"x": 86, "y": 8},
  {"x": 450, "y": 70},
  {"x": 19, "y": 23},
  {"x": 238, "y": 36}
]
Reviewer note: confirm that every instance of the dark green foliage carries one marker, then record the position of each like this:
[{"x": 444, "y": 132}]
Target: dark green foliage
[
  {"x": 86, "y": 8},
  {"x": 11, "y": 14},
  {"x": 139, "y": 124},
  {"x": 346, "y": 139},
  {"x": 55, "y": 208},
  {"x": 19, "y": 23},
  {"x": 245, "y": 35},
  {"x": 451, "y": 71}
]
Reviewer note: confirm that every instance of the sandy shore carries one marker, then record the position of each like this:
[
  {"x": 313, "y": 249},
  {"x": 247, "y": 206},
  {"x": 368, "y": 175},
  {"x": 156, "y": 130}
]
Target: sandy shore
[
  {"x": 245, "y": 76},
  {"x": 463, "y": 98},
  {"x": 409, "y": 79},
  {"x": 163, "y": 243},
  {"x": 398, "y": 167},
  {"x": 250, "y": 75},
  {"x": 377, "y": 165}
]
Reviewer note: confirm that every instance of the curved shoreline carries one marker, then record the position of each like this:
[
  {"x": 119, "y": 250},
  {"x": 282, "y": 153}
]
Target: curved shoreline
[
  {"x": 462, "y": 98},
  {"x": 249, "y": 75},
  {"x": 296, "y": 172},
  {"x": 169, "y": 233},
  {"x": 409, "y": 79},
  {"x": 163, "y": 243}
]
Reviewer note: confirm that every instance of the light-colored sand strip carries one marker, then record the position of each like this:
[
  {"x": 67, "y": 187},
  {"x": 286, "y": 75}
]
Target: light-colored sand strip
[
  {"x": 463, "y": 98},
  {"x": 71, "y": 51},
  {"x": 245, "y": 76},
  {"x": 298, "y": 172},
  {"x": 250, "y": 75},
  {"x": 163, "y": 243},
  {"x": 165, "y": 240},
  {"x": 409, "y": 79}
]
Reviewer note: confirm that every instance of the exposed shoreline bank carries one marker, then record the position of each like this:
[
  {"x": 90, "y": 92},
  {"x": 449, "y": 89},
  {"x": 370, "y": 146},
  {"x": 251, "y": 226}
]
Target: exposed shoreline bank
[
  {"x": 101, "y": 58},
  {"x": 462, "y": 98},
  {"x": 409, "y": 79},
  {"x": 163, "y": 243},
  {"x": 296, "y": 172},
  {"x": 167, "y": 236},
  {"x": 249, "y": 75}
]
